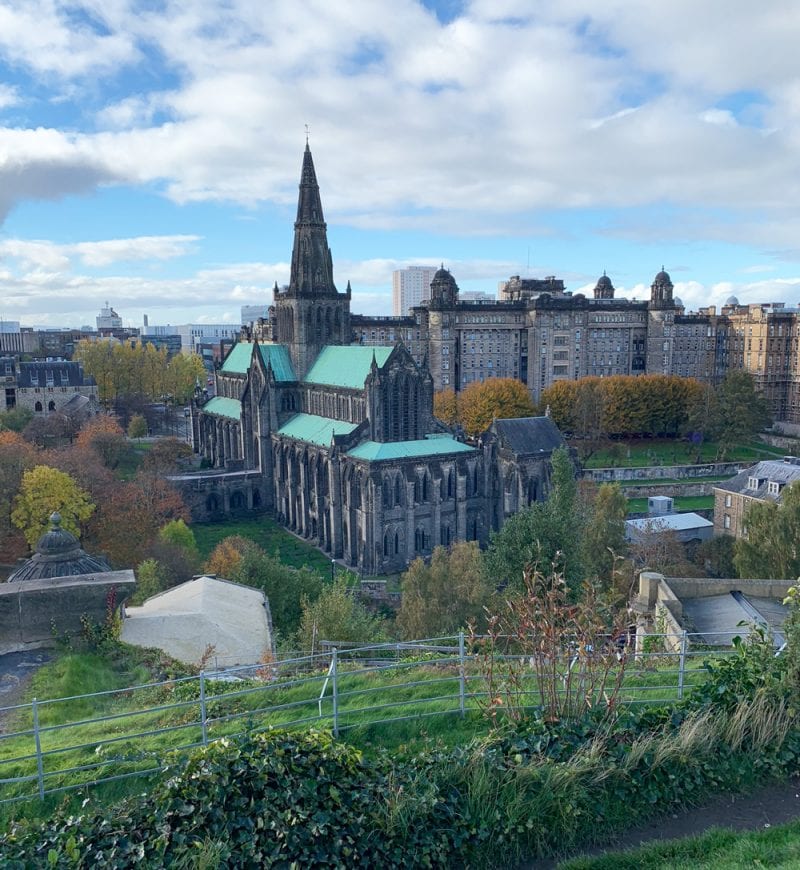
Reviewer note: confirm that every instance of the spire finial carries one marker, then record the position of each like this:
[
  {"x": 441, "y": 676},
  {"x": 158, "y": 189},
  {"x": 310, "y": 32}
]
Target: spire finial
[{"x": 308, "y": 131}]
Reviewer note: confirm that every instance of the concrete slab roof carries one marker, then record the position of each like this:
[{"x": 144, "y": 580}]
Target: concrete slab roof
[
  {"x": 203, "y": 617},
  {"x": 718, "y": 618}
]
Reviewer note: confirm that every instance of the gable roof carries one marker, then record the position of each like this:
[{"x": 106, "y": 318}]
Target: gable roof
[
  {"x": 223, "y": 407},
  {"x": 314, "y": 429},
  {"x": 529, "y": 434},
  {"x": 237, "y": 362},
  {"x": 346, "y": 366},
  {"x": 375, "y": 451},
  {"x": 670, "y": 522}
]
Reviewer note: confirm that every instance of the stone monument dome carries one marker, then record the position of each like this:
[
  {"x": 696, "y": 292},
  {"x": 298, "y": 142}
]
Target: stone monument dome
[{"x": 58, "y": 554}]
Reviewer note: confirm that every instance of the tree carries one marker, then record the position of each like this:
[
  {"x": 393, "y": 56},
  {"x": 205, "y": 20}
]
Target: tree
[
  {"x": 44, "y": 490},
  {"x": 15, "y": 419},
  {"x": 604, "y": 535},
  {"x": 337, "y": 614},
  {"x": 545, "y": 536},
  {"x": 500, "y": 398},
  {"x": 716, "y": 556},
  {"x": 177, "y": 533},
  {"x": 284, "y": 586},
  {"x": 445, "y": 407},
  {"x": 226, "y": 557},
  {"x": 446, "y": 595},
  {"x": 771, "y": 550},
  {"x": 658, "y": 549},
  {"x": 137, "y": 428},
  {"x": 165, "y": 455},
  {"x": 16, "y": 457},
  {"x": 105, "y": 437},
  {"x": 741, "y": 411},
  {"x": 150, "y": 581}
]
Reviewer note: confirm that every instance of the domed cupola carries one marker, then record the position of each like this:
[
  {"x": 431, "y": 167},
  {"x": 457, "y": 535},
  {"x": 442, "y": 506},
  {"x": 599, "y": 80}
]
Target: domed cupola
[
  {"x": 58, "y": 554},
  {"x": 661, "y": 291},
  {"x": 604, "y": 289},
  {"x": 444, "y": 290}
]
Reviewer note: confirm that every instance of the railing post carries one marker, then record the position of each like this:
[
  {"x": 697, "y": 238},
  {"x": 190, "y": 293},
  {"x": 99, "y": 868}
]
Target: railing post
[
  {"x": 461, "y": 675},
  {"x": 37, "y": 740},
  {"x": 334, "y": 679},
  {"x": 682, "y": 665},
  {"x": 203, "y": 718}
]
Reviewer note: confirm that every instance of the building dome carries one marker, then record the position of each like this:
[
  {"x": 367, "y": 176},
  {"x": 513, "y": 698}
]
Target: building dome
[
  {"x": 662, "y": 278},
  {"x": 604, "y": 289},
  {"x": 444, "y": 290},
  {"x": 58, "y": 554},
  {"x": 731, "y": 300},
  {"x": 678, "y": 302}
]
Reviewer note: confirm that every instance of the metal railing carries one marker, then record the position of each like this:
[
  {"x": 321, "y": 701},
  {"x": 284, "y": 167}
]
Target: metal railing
[{"x": 62, "y": 744}]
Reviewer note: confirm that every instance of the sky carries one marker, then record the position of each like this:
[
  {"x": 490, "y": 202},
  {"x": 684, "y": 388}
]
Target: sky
[{"x": 150, "y": 150}]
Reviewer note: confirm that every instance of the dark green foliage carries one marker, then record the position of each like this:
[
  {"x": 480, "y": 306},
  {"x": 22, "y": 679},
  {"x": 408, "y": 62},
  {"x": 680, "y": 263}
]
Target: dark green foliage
[
  {"x": 545, "y": 536},
  {"x": 771, "y": 549},
  {"x": 716, "y": 556}
]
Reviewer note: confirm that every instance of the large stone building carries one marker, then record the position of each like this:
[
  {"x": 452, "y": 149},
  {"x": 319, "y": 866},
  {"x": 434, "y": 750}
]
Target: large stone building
[
  {"x": 339, "y": 442},
  {"x": 47, "y": 386}
]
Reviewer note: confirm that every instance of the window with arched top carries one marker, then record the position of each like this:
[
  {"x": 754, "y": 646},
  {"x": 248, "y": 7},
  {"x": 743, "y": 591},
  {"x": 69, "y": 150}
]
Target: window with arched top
[
  {"x": 396, "y": 543},
  {"x": 386, "y": 544},
  {"x": 450, "y": 484},
  {"x": 397, "y": 490},
  {"x": 425, "y": 487},
  {"x": 37, "y": 406},
  {"x": 51, "y": 405}
]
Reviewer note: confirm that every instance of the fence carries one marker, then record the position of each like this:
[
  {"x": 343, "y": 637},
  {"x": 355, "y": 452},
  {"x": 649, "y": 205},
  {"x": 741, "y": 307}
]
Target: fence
[{"x": 72, "y": 743}]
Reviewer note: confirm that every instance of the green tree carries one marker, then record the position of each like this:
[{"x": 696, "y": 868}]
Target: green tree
[
  {"x": 771, "y": 550},
  {"x": 285, "y": 587},
  {"x": 177, "y": 533},
  {"x": 741, "y": 411},
  {"x": 150, "y": 580},
  {"x": 604, "y": 535},
  {"x": 544, "y": 535},
  {"x": 444, "y": 596},
  {"x": 44, "y": 490},
  {"x": 716, "y": 556},
  {"x": 15, "y": 419},
  {"x": 137, "y": 428},
  {"x": 337, "y": 615}
]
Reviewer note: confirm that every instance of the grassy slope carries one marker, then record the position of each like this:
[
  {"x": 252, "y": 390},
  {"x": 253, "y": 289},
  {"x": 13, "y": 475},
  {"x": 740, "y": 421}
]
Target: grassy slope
[
  {"x": 775, "y": 848},
  {"x": 272, "y": 704},
  {"x": 681, "y": 503}
]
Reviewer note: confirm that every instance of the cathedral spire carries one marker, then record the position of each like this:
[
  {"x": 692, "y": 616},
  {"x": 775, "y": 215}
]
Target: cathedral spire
[{"x": 312, "y": 265}]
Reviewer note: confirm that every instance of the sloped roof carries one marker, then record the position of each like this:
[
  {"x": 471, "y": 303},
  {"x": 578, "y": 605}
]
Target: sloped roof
[
  {"x": 222, "y": 406},
  {"x": 780, "y": 471},
  {"x": 346, "y": 366},
  {"x": 375, "y": 451},
  {"x": 63, "y": 372},
  {"x": 529, "y": 434},
  {"x": 277, "y": 355},
  {"x": 315, "y": 429},
  {"x": 237, "y": 362},
  {"x": 205, "y": 612}
]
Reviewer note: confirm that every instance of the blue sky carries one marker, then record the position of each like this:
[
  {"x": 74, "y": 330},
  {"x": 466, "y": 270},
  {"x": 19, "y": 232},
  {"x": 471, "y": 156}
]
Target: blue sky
[{"x": 150, "y": 151}]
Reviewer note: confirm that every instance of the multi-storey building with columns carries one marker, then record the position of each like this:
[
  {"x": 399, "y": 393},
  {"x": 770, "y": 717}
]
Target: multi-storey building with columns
[{"x": 339, "y": 441}]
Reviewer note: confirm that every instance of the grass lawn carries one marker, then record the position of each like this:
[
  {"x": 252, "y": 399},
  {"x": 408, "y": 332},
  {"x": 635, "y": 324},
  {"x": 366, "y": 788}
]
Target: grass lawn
[
  {"x": 653, "y": 451},
  {"x": 681, "y": 503},
  {"x": 269, "y": 536},
  {"x": 131, "y": 460},
  {"x": 776, "y": 847}
]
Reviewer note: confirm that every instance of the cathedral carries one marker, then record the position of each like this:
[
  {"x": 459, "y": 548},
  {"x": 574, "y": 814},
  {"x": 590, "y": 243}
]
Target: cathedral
[{"x": 338, "y": 442}]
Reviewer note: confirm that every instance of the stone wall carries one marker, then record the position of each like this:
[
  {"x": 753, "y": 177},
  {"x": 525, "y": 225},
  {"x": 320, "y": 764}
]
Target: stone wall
[
  {"x": 34, "y": 612},
  {"x": 214, "y": 496},
  {"x": 668, "y": 472},
  {"x": 673, "y": 490}
]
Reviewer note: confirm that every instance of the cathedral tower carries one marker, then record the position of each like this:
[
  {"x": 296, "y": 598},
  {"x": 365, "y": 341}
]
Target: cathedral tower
[{"x": 310, "y": 313}]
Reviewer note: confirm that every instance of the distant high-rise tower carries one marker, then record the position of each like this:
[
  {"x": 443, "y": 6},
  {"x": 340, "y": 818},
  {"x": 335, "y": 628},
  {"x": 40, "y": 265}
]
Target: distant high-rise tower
[
  {"x": 410, "y": 286},
  {"x": 108, "y": 319}
]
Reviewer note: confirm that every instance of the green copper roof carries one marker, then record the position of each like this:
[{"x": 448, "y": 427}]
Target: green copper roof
[
  {"x": 345, "y": 366},
  {"x": 277, "y": 355},
  {"x": 224, "y": 407},
  {"x": 314, "y": 429},
  {"x": 375, "y": 451},
  {"x": 237, "y": 362}
]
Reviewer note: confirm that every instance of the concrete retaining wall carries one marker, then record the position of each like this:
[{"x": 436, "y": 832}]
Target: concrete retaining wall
[
  {"x": 34, "y": 612},
  {"x": 668, "y": 472}
]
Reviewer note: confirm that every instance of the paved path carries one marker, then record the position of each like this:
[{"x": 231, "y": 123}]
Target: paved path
[
  {"x": 764, "y": 808},
  {"x": 16, "y": 670}
]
